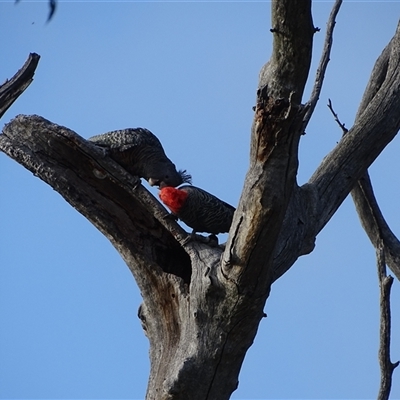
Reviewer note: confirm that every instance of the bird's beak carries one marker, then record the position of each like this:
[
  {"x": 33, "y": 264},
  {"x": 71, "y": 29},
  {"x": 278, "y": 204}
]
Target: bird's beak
[{"x": 153, "y": 182}]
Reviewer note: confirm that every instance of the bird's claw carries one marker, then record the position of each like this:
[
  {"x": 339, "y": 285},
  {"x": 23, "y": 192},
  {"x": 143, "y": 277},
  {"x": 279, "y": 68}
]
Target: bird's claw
[
  {"x": 170, "y": 217},
  {"x": 211, "y": 240}
]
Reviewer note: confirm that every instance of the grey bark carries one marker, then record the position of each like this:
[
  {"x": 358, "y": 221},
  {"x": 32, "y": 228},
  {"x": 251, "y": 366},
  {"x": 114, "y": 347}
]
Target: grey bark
[
  {"x": 387, "y": 367},
  {"x": 13, "y": 88},
  {"x": 375, "y": 224},
  {"x": 363, "y": 196},
  {"x": 201, "y": 304}
]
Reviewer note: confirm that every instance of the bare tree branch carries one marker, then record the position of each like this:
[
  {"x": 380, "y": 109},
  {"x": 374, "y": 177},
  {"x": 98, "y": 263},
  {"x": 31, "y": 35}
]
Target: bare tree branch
[
  {"x": 379, "y": 74},
  {"x": 164, "y": 265},
  {"x": 375, "y": 224},
  {"x": 371, "y": 216},
  {"x": 372, "y": 131},
  {"x": 201, "y": 311},
  {"x": 379, "y": 233},
  {"x": 13, "y": 88},
  {"x": 312, "y": 205},
  {"x": 323, "y": 64},
  {"x": 271, "y": 178},
  {"x": 342, "y": 127},
  {"x": 372, "y": 219},
  {"x": 387, "y": 367},
  {"x": 101, "y": 190}
]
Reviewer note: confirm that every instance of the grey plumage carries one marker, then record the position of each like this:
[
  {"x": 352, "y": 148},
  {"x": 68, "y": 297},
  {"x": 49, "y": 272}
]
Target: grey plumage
[
  {"x": 141, "y": 154},
  {"x": 200, "y": 210}
]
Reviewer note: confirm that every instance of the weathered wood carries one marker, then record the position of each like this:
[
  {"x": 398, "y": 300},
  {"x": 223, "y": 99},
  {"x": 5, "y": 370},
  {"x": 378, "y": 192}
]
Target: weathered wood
[
  {"x": 371, "y": 217},
  {"x": 373, "y": 129},
  {"x": 271, "y": 179},
  {"x": 374, "y": 223},
  {"x": 99, "y": 189},
  {"x": 202, "y": 304},
  {"x": 11, "y": 89},
  {"x": 387, "y": 367}
]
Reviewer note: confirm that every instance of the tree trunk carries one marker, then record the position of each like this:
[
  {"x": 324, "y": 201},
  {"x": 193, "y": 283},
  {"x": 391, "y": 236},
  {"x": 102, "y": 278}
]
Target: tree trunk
[{"x": 202, "y": 304}]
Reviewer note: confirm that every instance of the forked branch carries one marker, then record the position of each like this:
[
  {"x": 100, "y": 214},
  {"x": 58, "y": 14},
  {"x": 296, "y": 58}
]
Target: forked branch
[
  {"x": 372, "y": 219},
  {"x": 373, "y": 129},
  {"x": 371, "y": 216},
  {"x": 374, "y": 223}
]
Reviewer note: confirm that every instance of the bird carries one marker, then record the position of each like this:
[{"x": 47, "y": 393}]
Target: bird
[
  {"x": 140, "y": 152},
  {"x": 198, "y": 209}
]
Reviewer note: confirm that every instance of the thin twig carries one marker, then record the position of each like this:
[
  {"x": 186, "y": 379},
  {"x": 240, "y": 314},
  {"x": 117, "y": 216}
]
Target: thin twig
[
  {"x": 323, "y": 64},
  {"x": 387, "y": 367},
  {"x": 342, "y": 127}
]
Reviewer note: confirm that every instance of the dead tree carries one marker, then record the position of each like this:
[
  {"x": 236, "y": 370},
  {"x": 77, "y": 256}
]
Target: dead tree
[{"x": 202, "y": 304}]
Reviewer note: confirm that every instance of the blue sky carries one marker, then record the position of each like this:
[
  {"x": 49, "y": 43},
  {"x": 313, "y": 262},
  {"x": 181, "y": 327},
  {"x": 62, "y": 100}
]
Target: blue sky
[{"x": 188, "y": 72}]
